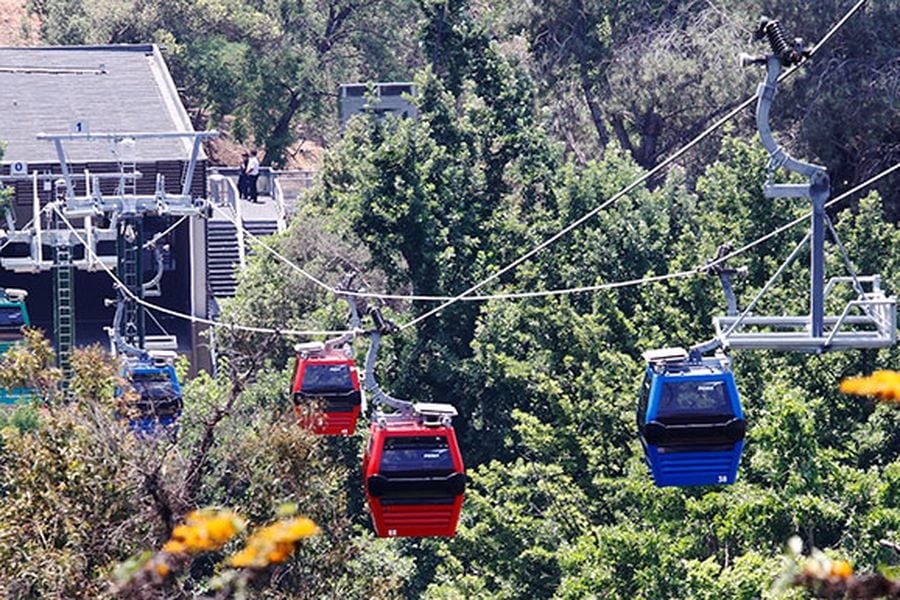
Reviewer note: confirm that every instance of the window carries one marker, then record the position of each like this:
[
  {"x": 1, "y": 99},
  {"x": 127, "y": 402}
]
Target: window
[
  {"x": 158, "y": 395},
  {"x": 12, "y": 319},
  {"x": 685, "y": 400},
  {"x": 395, "y": 90},
  {"x": 643, "y": 401},
  {"x": 419, "y": 455},
  {"x": 318, "y": 379},
  {"x": 355, "y": 91}
]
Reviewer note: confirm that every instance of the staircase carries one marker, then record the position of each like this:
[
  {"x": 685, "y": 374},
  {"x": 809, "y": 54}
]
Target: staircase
[
  {"x": 222, "y": 258},
  {"x": 261, "y": 228}
]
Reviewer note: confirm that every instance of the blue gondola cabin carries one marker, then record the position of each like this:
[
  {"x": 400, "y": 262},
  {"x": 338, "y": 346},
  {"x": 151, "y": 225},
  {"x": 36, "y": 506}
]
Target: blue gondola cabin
[
  {"x": 158, "y": 403},
  {"x": 690, "y": 420}
]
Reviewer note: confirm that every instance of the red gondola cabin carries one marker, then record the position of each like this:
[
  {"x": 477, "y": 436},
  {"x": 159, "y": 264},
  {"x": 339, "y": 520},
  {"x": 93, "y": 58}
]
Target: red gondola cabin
[
  {"x": 326, "y": 390},
  {"x": 414, "y": 474}
]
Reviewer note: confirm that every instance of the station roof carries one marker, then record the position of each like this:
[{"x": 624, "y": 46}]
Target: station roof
[{"x": 107, "y": 89}]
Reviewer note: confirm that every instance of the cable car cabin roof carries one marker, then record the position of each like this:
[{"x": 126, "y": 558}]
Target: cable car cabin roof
[
  {"x": 410, "y": 424},
  {"x": 678, "y": 361},
  {"x": 666, "y": 355},
  {"x": 326, "y": 393},
  {"x": 689, "y": 370},
  {"x": 414, "y": 478},
  {"x": 309, "y": 349}
]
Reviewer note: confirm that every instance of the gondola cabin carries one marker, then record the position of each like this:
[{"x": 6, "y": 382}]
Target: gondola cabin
[
  {"x": 159, "y": 401},
  {"x": 414, "y": 473},
  {"x": 325, "y": 391},
  {"x": 690, "y": 420},
  {"x": 13, "y": 321}
]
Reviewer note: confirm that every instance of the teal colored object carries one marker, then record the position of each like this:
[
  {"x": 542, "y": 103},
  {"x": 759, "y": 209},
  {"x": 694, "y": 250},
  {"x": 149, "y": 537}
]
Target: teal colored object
[
  {"x": 15, "y": 396},
  {"x": 13, "y": 319}
]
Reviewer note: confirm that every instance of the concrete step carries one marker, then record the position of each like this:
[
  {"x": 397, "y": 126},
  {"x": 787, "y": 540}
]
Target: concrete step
[{"x": 222, "y": 252}]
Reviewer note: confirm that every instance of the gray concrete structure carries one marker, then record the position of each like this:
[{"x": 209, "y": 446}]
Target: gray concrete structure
[{"x": 388, "y": 98}]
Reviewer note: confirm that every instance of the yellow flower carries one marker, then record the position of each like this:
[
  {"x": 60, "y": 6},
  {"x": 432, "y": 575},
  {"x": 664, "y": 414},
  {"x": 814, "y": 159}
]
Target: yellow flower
[
  {"x": 273, "y": 544},
  {"x": 162, "y": 569},
  {"x": 301, "y": 528},
  {"x": 244, "y": 558},
  {"x": 174, "y": 547},
  {"x": 280, "y": 553},
  {"x": 204, "y": 530},
  {"x": 841, "y": 568},
  {"x": 881, "y": 384}
]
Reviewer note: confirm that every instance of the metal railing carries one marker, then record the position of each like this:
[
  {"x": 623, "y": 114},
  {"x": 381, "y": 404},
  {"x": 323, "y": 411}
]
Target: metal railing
[
  {"x": 302, "y": 178},
  {"x": 875, "y": 327},
  {"x": 223, "y": 191},
  {"x": 278, "y": 196}
]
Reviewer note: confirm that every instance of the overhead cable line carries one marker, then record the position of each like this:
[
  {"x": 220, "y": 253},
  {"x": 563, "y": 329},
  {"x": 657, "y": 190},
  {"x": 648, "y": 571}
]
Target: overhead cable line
[
  {"x": 627, "y": 189},
  {"x": 805, "y": 216},
  {"x": 467, "y": 294},
  {"x": 570, "y": 290},
  {"x": 9, "y": 241},
  {"x": 180, "y": 315},
  {"x": 241, "y": 229},
  {"x": 158, "y": 236},
  {"x": 513, "y": 295}
]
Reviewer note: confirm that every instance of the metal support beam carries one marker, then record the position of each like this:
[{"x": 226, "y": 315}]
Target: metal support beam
[
  {"x": 64, "y": 166},
  {"x": 815, "y": 332},
  {"x": 189, "y": 172},
  {"x": 379, "y": 397},
  {"x": 119, "y": 136},
  {"x": 125, "y": 210},
  {"x": 129, "y": 250},
  {"x": 819, "y": 188}
]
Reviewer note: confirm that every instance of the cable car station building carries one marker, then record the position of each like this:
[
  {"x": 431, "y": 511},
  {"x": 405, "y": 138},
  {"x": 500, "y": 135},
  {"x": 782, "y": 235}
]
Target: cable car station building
[{"x": 100, "y": 90}]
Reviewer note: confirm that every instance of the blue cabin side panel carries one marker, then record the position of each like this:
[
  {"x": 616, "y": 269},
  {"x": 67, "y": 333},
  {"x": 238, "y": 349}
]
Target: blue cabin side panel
[{"x": 694, "y": 468}]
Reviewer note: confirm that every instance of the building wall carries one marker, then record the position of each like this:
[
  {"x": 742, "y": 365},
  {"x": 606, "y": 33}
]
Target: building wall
[{"x": 389, "y": 100}]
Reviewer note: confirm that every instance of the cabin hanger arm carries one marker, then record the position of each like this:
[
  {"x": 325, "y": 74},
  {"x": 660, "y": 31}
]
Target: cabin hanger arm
[{"x": 382, "y": 327}]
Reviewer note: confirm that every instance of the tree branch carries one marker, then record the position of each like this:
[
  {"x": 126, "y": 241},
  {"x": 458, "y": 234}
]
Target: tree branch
[
  {"x": 596, "y": 112},
  {"x": 197, "y": 464},
  {"x": 619, "y": 127}
]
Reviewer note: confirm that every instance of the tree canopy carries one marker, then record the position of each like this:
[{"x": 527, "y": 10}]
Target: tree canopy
[{"x": 530, "y": 115}]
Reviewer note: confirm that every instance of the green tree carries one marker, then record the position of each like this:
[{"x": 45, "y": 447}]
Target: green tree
[
  {"x": 276, "y": 66},
  {"x": 81, "y": 492}
]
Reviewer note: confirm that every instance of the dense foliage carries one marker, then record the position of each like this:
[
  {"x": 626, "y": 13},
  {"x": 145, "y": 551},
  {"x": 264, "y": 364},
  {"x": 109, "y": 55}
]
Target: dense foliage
[{"x": 513, "y": 99}]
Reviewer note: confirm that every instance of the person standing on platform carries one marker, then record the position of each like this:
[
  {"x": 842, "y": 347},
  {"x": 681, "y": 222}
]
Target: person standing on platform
[
  {"x": 242, "y": 176},
  {"x": 252, "y": 176}
]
